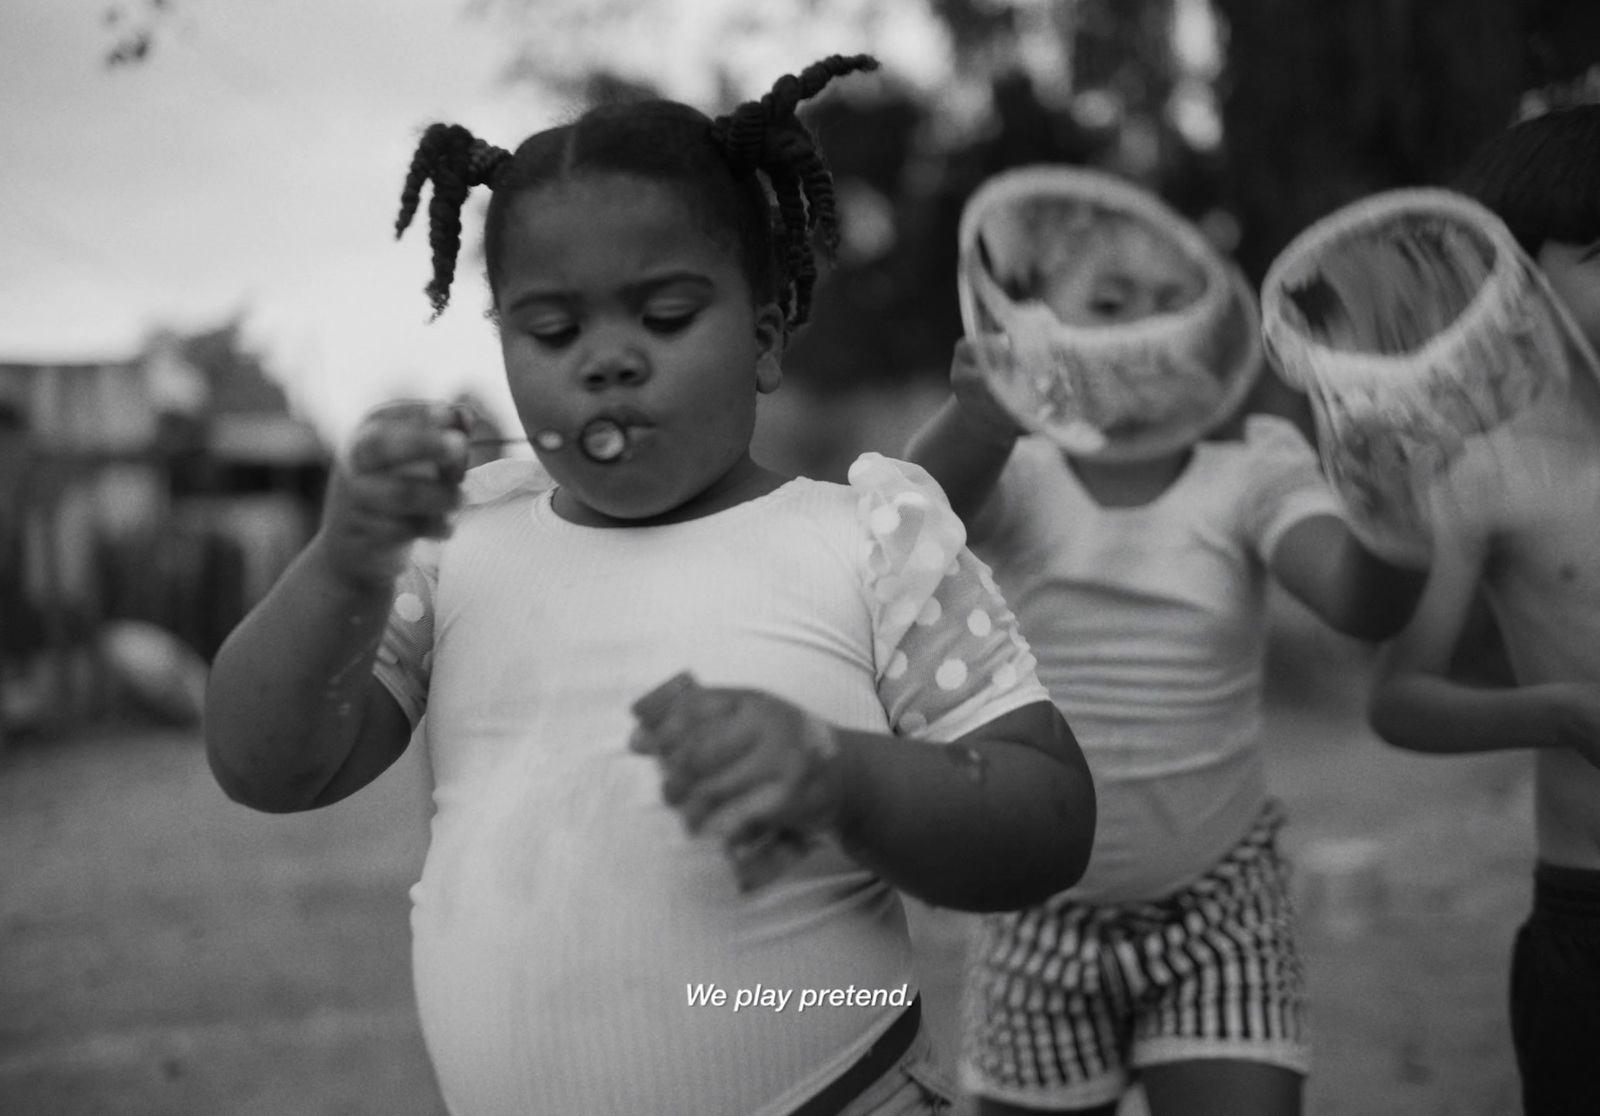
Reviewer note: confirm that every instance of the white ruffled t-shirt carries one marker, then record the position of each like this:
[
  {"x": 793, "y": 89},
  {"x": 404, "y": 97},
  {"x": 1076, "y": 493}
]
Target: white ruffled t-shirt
[
  {"x": 1150, "y": 624},
  {"x": 565, "y": 920}
]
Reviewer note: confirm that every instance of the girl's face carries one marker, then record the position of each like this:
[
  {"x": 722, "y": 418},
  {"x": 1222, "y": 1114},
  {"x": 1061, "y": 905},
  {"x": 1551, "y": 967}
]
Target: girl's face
[
  {"x": 1574, "y": 273},
  {"x": 1116, "y": 279},
  {"x": 613, "y": 302}
]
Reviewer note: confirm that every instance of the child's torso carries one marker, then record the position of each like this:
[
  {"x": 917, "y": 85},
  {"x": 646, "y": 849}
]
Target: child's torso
[
  {"x": 1150, "y": 645},
  {"x": 1567, "y": 808},
  {"x": 1543, "y": 580},
  {"x": 1149, "y": 625},
  {"x": 564, "y": 914},
  {"x": 1147, "y": 620}
]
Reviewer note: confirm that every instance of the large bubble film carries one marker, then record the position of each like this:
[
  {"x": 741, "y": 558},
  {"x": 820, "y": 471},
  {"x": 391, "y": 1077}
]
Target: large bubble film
[
  {"x": 1127, "y": 336},
  {"x": 1392, "y": 287},
  {"x": 1416, "y": 325},
  {"x": 1086, "y": 261}
]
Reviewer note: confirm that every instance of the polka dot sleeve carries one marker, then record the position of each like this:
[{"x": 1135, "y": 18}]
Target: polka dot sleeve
[
  {"x": 405, "y": 655},
  {"x": 948, "y": 654}
]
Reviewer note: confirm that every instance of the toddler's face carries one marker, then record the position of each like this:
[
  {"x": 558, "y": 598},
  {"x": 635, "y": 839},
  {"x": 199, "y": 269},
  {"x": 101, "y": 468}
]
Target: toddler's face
[
  {"x": 613, "y": 303},
  {"x": 1118, "y": 278},
  {"x": 1574, "y": 273}
]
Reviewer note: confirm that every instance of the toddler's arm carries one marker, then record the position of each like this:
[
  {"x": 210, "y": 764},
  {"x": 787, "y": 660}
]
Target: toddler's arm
[
  {"x": 966, "y": 445},
  {"x": 1323, "y": 565},
  {"x": 1416, "y": 705},
  {"x": 294, "y": 718},
  {"x": 998, "y": 819}
]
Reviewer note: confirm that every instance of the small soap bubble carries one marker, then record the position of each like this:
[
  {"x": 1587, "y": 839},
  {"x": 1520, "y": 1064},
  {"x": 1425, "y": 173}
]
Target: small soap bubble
[{"x": 604, "y": 440}]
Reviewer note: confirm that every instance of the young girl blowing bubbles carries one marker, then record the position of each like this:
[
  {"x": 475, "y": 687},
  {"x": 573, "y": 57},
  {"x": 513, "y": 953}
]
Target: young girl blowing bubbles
[
  {"x": 1137, "y": 556},
  {"x": 819, "y": 681}
]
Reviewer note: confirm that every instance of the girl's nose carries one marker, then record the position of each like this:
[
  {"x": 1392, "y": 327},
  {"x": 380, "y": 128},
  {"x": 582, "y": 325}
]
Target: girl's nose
[{"x": 615, "y": 366}]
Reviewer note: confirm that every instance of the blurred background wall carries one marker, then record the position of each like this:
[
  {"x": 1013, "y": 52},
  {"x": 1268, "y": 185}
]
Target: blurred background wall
[{"x": 153, "y": 499}]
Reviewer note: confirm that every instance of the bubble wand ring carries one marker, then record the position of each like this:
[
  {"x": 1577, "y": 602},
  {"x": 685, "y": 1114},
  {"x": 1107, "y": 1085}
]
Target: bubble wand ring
[
  {"x": 1405, "y": 378},
  {"x": 1415, "y": 323},
  {"x": 1122, "y": 391},
  {"x": 602, "y": 440}
]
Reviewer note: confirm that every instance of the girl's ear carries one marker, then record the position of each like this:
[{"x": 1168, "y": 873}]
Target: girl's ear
[{"x": 769, "y": 348}]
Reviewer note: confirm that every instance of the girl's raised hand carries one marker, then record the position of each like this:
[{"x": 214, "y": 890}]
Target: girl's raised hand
[
  {"x": 745, "y": 767},
  {"x": 398, "y": 481},
  {"x": 971, "y": 389}
]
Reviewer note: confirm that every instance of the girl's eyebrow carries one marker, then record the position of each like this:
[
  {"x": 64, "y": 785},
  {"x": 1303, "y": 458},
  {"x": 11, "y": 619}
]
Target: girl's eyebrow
[
  {"x": 637, "y": 291},
  {"x": 644, "y": 288}
]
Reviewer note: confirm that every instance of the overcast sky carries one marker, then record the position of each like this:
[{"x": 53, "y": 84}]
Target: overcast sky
[{"x": 252, "y": 164}]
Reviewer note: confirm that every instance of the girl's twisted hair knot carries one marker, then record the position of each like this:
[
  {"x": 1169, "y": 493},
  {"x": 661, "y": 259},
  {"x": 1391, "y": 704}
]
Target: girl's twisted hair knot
[
  {"x": 769, "y": 137},
  {"x": 742, "y": 135},
  {"x": 454, "y": 160}
]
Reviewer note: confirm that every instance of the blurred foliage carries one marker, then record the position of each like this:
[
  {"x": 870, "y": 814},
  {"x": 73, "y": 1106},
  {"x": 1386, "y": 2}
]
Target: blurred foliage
[
  {"x": 893, "y": 314},
  {"x": 1314, "y": 105},
  {"x": 1325, "y": 103},
  {"x": 133, "y": 29},
  {"x": 1319, "y": 104}
]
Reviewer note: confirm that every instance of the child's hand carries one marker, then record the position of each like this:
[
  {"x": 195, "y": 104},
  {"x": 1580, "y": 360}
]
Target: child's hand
[
  {"x": 742, "y": 766},
  {"x": 971, "y": 389},
  {"x": 1580, "y": 718},
  {"x": 399, "y": 480}
]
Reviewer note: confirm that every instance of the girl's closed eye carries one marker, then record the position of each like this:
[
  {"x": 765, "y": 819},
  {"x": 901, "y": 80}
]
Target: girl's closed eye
[
  {"x": 549, "y": 327},
  {"x": 670, "y": 317},
  {"x": 557, "y": 337},
  {"x": 672, "y": 303}
]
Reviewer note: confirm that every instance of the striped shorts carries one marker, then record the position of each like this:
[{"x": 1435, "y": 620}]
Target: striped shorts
[{"x": 1065, "y": 1001}]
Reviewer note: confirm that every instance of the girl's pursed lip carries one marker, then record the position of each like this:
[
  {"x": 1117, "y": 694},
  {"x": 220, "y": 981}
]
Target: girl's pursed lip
[
  {"x": 622, "y": 416},
  {"x": 630, "y": 420}
]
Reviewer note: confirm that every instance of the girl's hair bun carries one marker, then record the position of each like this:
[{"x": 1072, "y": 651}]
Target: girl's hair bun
[{"x": 454, "y": 160}]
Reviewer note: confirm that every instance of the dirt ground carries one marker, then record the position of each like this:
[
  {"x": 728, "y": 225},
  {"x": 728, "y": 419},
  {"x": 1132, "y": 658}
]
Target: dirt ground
[{"x": 164, "y": 952}]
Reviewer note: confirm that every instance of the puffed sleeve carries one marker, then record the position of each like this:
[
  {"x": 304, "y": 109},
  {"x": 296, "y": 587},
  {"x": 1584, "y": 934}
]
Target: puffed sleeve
[
  {"x": 405, "y": 653},
  {"x": 1282, "y": 482},
  {"x": 948, "y": 655}
]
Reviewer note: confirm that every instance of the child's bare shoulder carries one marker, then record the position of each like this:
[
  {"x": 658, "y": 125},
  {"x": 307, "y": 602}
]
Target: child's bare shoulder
[{"x": 1519, "y": 482}]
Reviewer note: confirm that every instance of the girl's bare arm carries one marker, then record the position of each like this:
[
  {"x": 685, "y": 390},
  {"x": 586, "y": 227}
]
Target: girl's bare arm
[
  {"x": 294, "y": 718},
  {"x": 966, "y": 445},
  {"x": 1001, "y": 818}
]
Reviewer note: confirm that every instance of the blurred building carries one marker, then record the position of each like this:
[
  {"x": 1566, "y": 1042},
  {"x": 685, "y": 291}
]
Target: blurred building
[{"x": 171, "y": 488}]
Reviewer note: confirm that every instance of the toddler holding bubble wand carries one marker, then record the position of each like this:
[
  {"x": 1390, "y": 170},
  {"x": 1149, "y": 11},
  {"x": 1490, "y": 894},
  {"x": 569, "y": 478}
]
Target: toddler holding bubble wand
[
  {"x": 1091, "y": 447},
  {"x": 691, "y": 723}
]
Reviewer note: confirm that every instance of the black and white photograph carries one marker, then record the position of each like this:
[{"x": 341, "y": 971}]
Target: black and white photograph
[{"x": 800, "y": 558}]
